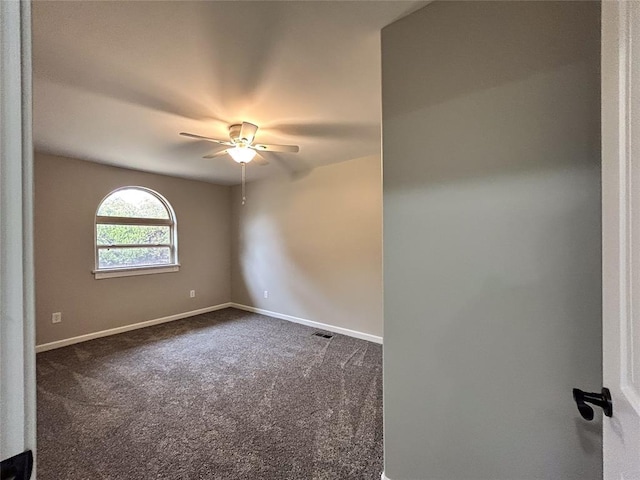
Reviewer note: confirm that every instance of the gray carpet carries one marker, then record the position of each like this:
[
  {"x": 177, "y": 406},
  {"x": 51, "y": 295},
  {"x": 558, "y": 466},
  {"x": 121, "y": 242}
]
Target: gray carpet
[{"x": 225, "y": 395}]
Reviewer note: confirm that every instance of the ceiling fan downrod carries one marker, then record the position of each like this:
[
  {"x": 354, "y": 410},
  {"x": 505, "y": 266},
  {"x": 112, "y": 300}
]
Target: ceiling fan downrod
[{"x": 244, "y": 176}]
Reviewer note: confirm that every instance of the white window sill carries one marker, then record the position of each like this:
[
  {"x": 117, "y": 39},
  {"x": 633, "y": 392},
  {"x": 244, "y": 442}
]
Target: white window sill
[{"x": 130, "y": 272}]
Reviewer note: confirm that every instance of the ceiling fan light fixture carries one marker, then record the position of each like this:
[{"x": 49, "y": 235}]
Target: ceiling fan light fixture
[{"x": 242, "y": 154}]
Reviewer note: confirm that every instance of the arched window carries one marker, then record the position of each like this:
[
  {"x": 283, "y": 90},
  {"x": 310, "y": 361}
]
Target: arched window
[{"x": 135, "y": 234}]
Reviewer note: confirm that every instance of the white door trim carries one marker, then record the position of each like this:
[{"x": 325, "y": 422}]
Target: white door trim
[
  {"x": 621, "y": 236},
  {"x": 17, "y": 318}
]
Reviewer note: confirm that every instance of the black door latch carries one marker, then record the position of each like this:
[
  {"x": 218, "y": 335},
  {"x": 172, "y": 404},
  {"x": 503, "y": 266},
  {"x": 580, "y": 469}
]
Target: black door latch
[
  {"x": 18, "y": 467},
  {"x": 602, "y": 400}
]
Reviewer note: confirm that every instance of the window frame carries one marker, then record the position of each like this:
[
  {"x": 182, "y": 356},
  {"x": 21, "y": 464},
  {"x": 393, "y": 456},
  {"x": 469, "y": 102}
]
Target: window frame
[{"x": 131, "y": 270}]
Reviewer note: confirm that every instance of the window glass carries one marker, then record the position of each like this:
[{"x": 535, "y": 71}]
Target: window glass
[
  {"x": 133, "y": 202},
  {"x": 133, "y": 234},
  {"x": 127, "y": 257}
]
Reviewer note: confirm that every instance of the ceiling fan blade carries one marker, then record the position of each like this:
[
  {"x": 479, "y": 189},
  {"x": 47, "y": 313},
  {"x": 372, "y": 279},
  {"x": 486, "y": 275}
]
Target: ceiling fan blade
[
  {"x": 276, "y": 148},
  {"x": 217, "y": 154},
  {"x": 248, "y": 131},
  {"x": 260, "y": 160},
  {"x": 208, "y": 139}
]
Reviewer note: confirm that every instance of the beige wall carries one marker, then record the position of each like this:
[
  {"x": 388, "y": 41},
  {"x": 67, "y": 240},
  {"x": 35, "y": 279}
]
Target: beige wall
[
  {"x": 315, "y": 243},
  {"x": 67, "y": 193},
  {"x": 491, "y": 117}
]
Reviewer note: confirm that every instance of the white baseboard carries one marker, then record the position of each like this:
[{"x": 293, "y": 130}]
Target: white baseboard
[
  {"x": 126, "y": 328},
  {"x": 310, "y": 323}
]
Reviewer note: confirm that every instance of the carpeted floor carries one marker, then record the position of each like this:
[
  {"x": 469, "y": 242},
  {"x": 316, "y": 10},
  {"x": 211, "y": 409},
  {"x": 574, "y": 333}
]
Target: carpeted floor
[{"x": 226, "y": 395}]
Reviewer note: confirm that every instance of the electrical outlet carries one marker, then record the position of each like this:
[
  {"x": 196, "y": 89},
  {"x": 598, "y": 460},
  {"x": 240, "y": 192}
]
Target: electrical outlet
[
  {"x": 266, "y": 294},
  {"x": 56, "y": 317},
  {"x": 192, "y": 293}
]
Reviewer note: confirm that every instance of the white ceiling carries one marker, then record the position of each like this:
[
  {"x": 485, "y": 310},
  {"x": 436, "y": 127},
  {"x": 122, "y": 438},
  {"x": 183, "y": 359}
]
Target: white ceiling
[{"x": 115, "y": 82}]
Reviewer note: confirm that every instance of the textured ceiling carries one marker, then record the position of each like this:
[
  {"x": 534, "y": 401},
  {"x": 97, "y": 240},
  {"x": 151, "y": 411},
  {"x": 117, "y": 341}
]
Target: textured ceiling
[{"x": 115, "y": 82}]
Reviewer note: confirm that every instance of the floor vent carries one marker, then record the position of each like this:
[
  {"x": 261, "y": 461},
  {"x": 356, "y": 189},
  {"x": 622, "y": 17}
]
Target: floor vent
[{"x": 323, "y": 335}]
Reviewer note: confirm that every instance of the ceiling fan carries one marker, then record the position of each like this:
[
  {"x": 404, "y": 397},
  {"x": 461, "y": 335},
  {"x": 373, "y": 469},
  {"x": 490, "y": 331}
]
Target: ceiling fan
[{"x": 242, "y": 149}]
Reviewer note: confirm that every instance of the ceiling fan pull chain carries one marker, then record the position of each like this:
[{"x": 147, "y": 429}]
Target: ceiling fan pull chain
[{"x": 244, "y": 198}]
